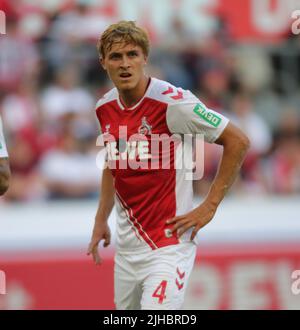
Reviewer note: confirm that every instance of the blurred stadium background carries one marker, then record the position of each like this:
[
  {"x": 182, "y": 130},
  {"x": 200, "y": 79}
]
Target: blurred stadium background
[{"x": 239, "y": 56}]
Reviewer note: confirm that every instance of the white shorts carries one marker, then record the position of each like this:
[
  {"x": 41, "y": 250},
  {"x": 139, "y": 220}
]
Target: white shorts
[{"x": 155, "y": 279}]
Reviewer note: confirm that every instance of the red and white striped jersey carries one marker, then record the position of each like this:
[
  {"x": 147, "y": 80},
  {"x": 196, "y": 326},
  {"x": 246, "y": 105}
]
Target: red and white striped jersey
[
  {"x": 3, "y": 150},
  {"x": 147, "y": 196}
]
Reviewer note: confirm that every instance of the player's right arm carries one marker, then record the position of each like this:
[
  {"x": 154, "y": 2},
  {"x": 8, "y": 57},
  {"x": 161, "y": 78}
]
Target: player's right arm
[{"x": 101, "y": 229}]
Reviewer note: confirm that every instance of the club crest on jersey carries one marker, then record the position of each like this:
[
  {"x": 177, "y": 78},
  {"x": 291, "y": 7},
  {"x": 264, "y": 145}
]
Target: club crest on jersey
[
  {"x": 145, "y": 128},
  {"x": 107, "y": 128}
]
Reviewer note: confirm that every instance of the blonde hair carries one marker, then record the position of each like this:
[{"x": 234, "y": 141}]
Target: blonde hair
[{"x": 123, "y": 31}]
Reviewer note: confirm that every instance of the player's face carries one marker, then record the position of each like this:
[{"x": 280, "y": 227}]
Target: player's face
[{"x": 124, "y": 64}]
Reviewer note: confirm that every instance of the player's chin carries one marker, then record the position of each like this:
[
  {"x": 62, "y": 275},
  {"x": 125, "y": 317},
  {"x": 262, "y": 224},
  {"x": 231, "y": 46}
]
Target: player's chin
[{"x": 126, "y": 85}]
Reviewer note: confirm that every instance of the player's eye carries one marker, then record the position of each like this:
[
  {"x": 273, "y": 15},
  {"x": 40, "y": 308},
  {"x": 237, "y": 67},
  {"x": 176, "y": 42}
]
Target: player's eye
[
  {"x": 132, "y": 54},
  {"x": 115, "y": 56}
]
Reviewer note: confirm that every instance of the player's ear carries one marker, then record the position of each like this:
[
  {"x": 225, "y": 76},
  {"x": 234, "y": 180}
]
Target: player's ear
[
  {"x": 145, "y": 59},
  {"x": 102, "y": 62}
]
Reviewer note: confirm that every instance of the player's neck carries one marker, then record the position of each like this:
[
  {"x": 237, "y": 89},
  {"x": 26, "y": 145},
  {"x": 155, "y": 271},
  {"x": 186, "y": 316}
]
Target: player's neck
[{"x": 131, "y": 97}]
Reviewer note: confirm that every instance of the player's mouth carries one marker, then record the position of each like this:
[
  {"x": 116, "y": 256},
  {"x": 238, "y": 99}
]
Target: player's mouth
[{"x": 125, "y": 75}]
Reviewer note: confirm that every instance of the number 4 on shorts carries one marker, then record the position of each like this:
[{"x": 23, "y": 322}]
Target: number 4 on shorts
[{"x": 160, "y": 292}]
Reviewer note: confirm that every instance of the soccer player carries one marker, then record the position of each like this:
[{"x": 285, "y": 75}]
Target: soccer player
[
  {"x": 4, "y": 164},
  {"x": 156, "y": 222}
]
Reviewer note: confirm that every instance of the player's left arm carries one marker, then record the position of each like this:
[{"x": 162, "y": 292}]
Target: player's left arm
[
  {"x": 4, "y": 175},
  {"x": 235, "y": 145}
]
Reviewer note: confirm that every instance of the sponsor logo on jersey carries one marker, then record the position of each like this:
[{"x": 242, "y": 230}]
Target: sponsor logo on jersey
[
  {"x": 123, "y": 149},
  {"x": 207, "y": 115},
  {"x": 145, "y": 128}
]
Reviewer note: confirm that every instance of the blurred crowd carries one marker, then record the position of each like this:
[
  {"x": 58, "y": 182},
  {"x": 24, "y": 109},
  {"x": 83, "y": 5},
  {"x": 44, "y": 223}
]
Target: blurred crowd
[{"x": 50, "y": 80}]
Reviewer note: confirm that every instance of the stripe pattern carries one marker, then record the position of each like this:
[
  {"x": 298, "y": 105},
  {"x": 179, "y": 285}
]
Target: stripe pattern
[{"x": 137, "y": 227}]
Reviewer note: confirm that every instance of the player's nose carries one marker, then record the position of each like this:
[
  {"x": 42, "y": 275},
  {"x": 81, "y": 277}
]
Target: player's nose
[{"x": 125, "y": 62}]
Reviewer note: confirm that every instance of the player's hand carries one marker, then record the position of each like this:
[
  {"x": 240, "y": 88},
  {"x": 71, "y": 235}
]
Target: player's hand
[
  {"x": 197, "y": 218},
  {"x": 100, "y": 232}
]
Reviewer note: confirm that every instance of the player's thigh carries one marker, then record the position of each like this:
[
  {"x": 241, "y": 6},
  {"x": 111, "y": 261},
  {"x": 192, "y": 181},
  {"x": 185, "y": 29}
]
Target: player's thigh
[
  {"x": 167, "y": 279},
  {"x": 127, "y": 291},
  {"x": 159, "y": 292}
]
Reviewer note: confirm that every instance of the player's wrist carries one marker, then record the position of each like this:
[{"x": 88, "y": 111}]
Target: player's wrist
[
  {"x": 99, "y": 219},
  {"x": 212, "y": 202}
]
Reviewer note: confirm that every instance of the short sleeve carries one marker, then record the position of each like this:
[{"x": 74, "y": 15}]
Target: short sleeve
[
  {"x": 191, "y": 116},
  {"x": 3, "y": 149}
]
